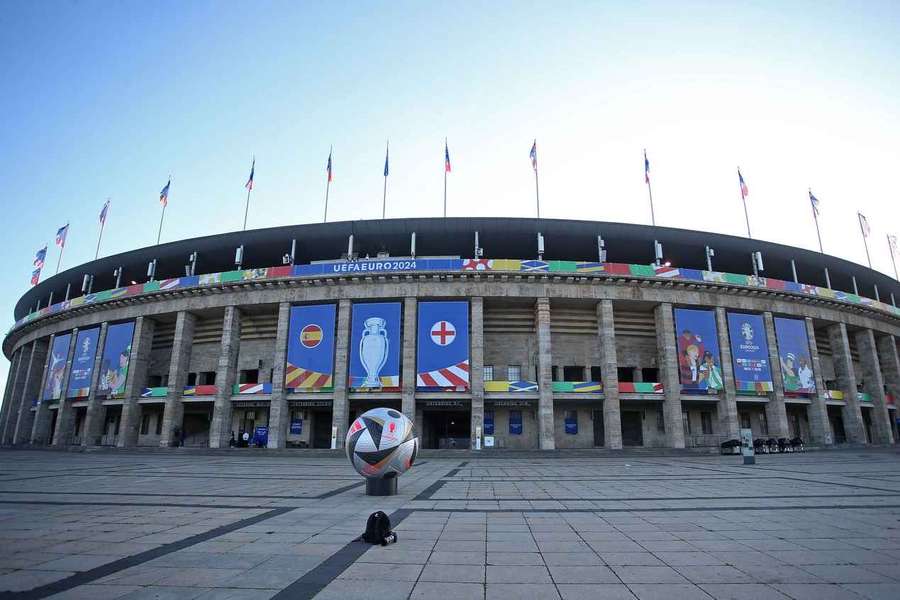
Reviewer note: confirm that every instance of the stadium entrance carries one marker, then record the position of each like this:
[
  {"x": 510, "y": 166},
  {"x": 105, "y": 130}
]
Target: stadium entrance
[{"x": 446, "y": 424}]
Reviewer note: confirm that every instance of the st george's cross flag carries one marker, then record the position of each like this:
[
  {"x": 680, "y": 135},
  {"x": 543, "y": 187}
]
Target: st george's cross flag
[
  {"x": 533, "y": 155},
  {"x": 442, "y": 348},
  {"x": 61, "y": 234}
]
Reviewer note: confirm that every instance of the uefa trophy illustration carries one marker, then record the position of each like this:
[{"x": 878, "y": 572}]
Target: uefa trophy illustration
[{"x": 373, "y": 350}]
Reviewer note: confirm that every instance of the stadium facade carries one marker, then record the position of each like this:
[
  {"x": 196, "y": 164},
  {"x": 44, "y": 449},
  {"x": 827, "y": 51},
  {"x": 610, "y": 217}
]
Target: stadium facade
[{"x": 546, "y": 338}]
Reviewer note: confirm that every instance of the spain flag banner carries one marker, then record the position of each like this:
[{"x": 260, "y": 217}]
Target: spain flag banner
[{"x": 310, "y": 351}]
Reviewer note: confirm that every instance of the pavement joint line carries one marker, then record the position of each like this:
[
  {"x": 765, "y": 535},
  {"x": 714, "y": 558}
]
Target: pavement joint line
[
  {"x": 151, "y": 504},
  {"x": 339, "y": 490},
  {"x": 154, "y": 495},
  {"x": 115, "y": 566},
  {"x": 661, "y": 509},
  {"x": 661, "y": 498}
]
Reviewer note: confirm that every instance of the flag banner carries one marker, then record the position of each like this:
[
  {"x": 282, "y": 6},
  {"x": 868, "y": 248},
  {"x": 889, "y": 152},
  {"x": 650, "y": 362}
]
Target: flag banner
[
  {"x": 36, "y": 276},
  {"x": 533, "y": 155},
  {"x": 892, "y": 244},
  {"x": 114, "y": 361},
  {"x": 375, "y": 347},
  {"x": 815, "y": 203},
  {"x": 249, "y": 184},
  {"x": 699, "y": 362},
  {"x": 328, "y": 168},
  {"x": 103, "y": 212},
  {"x": 386, "y": 169},
  {"x": 39, "y": 257},
  {"x": 749, "y": 352},
  {"x": 864, "y": 224},
  {"x": 83, "y": 363},
  {"x": 447, "y": 168},
  {"x": 61, "y": 235},
  {"x": 442, "y": 349},
  {"x": 56, "y": 367},
  {"x": 793, "y": 353},
  {"x": 646, "y": 169},
  {"x": 745, "y": 191},
  {"x": 310, "y": 351},
  {"x": 164, "y": 194}
]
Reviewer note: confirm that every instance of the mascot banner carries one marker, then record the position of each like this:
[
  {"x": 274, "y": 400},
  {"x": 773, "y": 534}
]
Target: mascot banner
[
  {"x": 375, "y": 347},
  {"x": 750, "y": 353},
  {"x": 442, "y": 349},
  {"x": 310, "y": 351},
  {"x": 114, "y": 363},
  {"x": 699, "y": 363},
  {"x": 793, "y": 352},
  {"x": 56, "y": 367},
  {"x": 83, "y": 363}
]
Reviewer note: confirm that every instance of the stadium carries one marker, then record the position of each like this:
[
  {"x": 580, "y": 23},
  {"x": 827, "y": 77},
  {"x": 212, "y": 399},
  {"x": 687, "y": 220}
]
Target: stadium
[{"x": 489, "y": 333}]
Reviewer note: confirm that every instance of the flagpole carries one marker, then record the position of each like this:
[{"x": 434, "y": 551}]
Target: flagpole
[
  {"x": 100, "y": 237},
  {"x": 893, "y": 260},
  {"x": 652, "y": 214},
  {"x": 865, "y": 242},
  {"x": 445, "y": 178},
  {"x": 162, "y": 216},
  {"x": 63, "y": 247},
  {"x": 327, "y": 185},
  {"x": 537, "y": 193},
  {"x": 387, "y": 147},
  {"x": 816, "y": 219},
  {"x": 744, "y": 200}
]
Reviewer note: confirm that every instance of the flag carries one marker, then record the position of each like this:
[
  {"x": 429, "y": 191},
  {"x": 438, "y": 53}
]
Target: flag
[
  {"x": 892, "y": 242},
  {"x": 744, "y": 190},
  {"x": 39, "y": 257},
  {"x": 447, "y": 168},
  {"x": 815, "y": 203},
  {"x": 328, "y": 167},
  {"x": 35, "y": 277},
  {"x": 646, "y": 169},
  {"x": 386, "y": 161},
  {"x": 864, "y": 224},
  {"x": 164, "y": 194},
  {"x": 533, "y": 155},
  {"x": 61, "y": 235},
  {"x": 103, "y": 213},
  {"x": 249, "y": 184}
]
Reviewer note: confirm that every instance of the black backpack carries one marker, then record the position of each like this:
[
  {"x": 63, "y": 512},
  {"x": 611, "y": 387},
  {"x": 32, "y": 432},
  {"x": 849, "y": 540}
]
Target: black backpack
[{"x": 378, "y": 528}]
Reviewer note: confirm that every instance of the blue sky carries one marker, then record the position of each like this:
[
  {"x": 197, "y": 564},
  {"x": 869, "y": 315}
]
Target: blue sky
[{"x": 106, "y": 99}]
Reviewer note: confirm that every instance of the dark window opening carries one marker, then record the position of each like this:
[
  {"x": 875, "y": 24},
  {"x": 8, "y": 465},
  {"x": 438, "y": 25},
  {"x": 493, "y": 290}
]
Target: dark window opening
[
  {"x": 192, "y": 379},
  {"x": 706, "y": 422},
  {"x": 249, "y": 376},
  {"x": 553, "y": 373},
  {"x": 650, "y": 374},
  {"x": 573, "y": 373},
  {"x": 145, "y": 424},
  {"x": 596, "y": 374},
  {"x": 206, "y": 378},
  {"x": 626, "y": 374},
  {"x": 155, "y": 381}
]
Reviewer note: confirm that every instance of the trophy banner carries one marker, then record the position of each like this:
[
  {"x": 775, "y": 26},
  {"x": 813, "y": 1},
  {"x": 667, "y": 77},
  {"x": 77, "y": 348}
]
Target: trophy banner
[{"x": 375, "y": 347}]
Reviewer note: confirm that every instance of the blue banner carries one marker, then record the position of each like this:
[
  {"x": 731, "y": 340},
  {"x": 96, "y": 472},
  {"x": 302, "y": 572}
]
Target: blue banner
[
  {"x": 296, "y": 426},
  {"x": 793, "y": 352},
  {"x": 442, "y": 348},
  {"x": 114, "y": 363},
  {"x": 56, "y": 368},
  {"x": 83, "y": 363},
  {"x": 378, "y": 266},
  {"x": 375, "y": 347},
  {"x": 515, "y": 422},
  {"x": 571, "y": 421},
  {"x": 310, "y": 351},
  {"x": 750, "y": 352},
  {"x": 260, "y": 436},
  {"x": 488, "y": 422},
  {"x": 699, "y": 362}
]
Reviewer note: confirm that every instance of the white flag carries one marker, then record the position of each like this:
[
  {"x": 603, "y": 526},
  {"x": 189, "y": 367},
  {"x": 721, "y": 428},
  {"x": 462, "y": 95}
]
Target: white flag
[
  {"x": 892, "y": 242},
  {"x": 864, "y": 225}
]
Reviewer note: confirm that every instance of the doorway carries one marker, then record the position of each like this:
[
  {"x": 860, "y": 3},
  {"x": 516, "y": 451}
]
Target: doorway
[
  {"x": 632, "y": 428},
  {"x": 321, "y": 429},
  {"x": 445, "y": 429},
  {"x": 836, "y": 419},
  {"x": 599, "y": 429},
  {"x": 111, "y": 425}
]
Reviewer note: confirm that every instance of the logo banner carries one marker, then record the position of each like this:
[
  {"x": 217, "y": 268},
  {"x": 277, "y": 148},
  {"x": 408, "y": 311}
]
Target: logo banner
[
  {"x": 793, "y": 352},
  {"x": 442, "y": 348},
  {"x": 699, "y": 363},
  {"x": 375, "y": 347},
  {"x": 83, "y": 363},
  {"x": 310, "y": 351},
  {"x": 114, "y": 363},
  {"x": 750, "y": 353},
  {"x": 56, "y": 368}
]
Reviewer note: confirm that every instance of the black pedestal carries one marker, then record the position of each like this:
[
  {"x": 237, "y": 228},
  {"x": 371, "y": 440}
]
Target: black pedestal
[{"x": 381, "y": 487}]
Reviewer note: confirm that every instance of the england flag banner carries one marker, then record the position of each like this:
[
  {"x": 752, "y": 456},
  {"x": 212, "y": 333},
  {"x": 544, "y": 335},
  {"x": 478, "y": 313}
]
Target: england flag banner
[{"x": 442, "y": 349}]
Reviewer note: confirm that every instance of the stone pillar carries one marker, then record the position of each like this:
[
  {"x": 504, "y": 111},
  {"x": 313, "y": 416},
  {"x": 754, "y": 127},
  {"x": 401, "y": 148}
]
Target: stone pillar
[
  {"x": 6, "y": 409},
  {"x": 609, "y": 365},
  {"x": 890, "y": 368},
  {"x": 668, "y": 370},
  {"x": 63, "y": 431},
  {"x": 93, "y": 419},
  {"x": 17, "y": 376},
  {"x": 40, "y": 427},
  {"x": 340, "y": 405},
  {"x": 33, "y": 379},
  {"x": 819, "y": 426},
  {"x": 776, "y": 414},
  {"x": 476, "y": 372},
  {"x": 873, "y": 384},
  {"x": 846, "y": 382},
  {"x": 729, "y": 425},
  {"x": 408, "y": 360},
  {"x": 279, "y": 412},
  {"x": 136, "y": 380},
  {"x": 173, "y": 414},
  {"x": 220, "y": 428},
  {"x": 545, "y": 384}
]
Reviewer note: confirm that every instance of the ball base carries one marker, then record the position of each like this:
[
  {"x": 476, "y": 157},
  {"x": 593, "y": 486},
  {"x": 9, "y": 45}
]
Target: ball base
[{"x": 381, "y": 487}]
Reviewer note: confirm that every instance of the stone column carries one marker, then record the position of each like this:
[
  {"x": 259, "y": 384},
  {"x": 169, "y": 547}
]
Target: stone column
[
  {"x": 64, "y": 423},
  {"x": 873, "y": 384},
  {"x": 226, "y": 375},
  {"x": 819, "y": 427},
  {"x": 545, "y": 384},
  {"x": 40, "y": 427},
  {"x": 173, "y": 414},
  {"x": 408, "y": 360},
  {"x": 609, "y": 365},
  {"x": 846, "y": 382},
  {"x": 93, "y": 418},
  {"x": 17, "y": 376},
  {"x": 340, "y": 405},
  {"x": 279, "y": 412},
  {"x": 476, "y": 372},
  {"x": 668, "y": 370},
  {"x": 890, "y": 368},
  {"x": 776, "y": 414},
  {"x": 5, "y": 409},
  {"x": 729, "y": 425},
  {"x": 136, "y": 380},
  {"x": 33, "y": 379}
]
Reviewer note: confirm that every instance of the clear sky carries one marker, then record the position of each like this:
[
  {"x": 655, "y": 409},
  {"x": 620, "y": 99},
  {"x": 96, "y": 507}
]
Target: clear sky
[{"x": 106, "y": 99}]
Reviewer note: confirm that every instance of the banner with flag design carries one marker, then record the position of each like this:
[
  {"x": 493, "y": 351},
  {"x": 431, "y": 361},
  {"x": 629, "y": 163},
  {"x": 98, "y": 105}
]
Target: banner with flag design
[
  {"x": 375, "y": 347},
  {"x": 310, "y": 351},
  {"x": 61, "y": 234},
  {"x": 442, "y": 349}
]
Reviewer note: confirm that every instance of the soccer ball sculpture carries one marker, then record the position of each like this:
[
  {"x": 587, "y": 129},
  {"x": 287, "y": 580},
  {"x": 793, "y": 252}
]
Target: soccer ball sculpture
[{"x": 381, "y": 443}]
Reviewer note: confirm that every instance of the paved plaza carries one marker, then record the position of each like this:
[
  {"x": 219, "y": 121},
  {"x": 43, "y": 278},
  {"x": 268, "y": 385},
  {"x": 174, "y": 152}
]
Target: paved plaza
[{"x": 250, "y": 525}]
